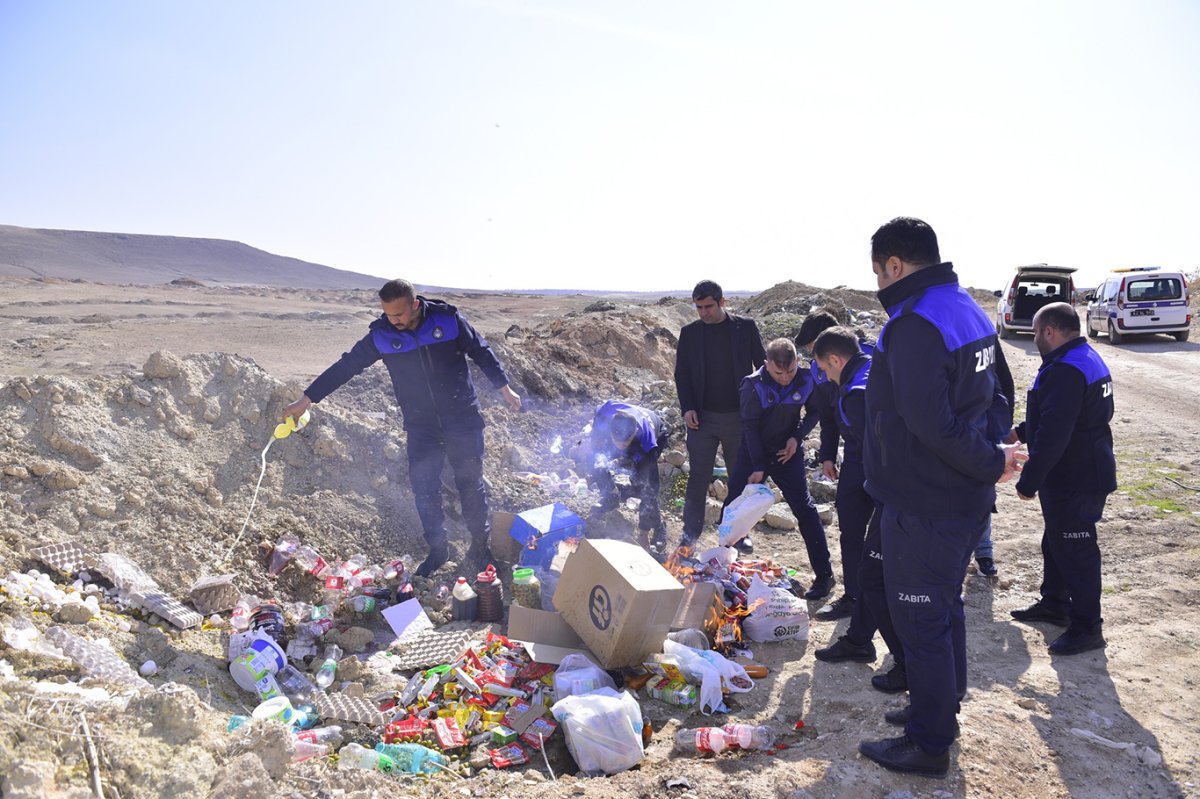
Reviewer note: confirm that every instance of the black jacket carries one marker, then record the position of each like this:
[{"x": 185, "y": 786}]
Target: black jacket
[
  {"x": 1066, "y": 425},
  {"x": 830, "y": 423},
  {"x": 428, "y": 368},
  {"x": 932, "y": 385},
  {"x": 748, "y": 355},
  {"x": 849, "y": 407},
  {"x": 771, "y": 415}
]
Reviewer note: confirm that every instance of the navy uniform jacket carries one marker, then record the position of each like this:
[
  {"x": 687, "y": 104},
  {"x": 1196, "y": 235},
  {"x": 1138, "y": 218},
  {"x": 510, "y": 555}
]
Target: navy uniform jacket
[
  {"x": 850, "y": 406},
  {"x": 428, "y": 368},
  {"x": 771, "y": 414},
  {"x": 1066, "y": 425},
  {"x": 748, "y": 355},
  {"x": 932, "y": 384},
  {"x": 650, "y": 438},
  {"x": 828, "y": 390}
]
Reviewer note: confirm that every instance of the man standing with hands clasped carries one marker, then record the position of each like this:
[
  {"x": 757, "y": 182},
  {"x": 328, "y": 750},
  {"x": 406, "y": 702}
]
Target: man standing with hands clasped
[
  {"x": 929, "y": 462},
  {"x": 425, "y": 344},
  {"x": 1072, "y": 470}
]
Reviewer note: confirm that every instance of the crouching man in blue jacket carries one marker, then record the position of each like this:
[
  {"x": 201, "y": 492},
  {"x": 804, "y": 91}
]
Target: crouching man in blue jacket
[
  {"x": 424, "y": 344},
  {"x": 1072, "y": 470},
  {"x": 929, "y": 462}
]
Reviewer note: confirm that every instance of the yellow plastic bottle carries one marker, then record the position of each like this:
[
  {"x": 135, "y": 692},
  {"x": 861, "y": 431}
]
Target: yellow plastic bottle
[{"x": 291, "y": 425}]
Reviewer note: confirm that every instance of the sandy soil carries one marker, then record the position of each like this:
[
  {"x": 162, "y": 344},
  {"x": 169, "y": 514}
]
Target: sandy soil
[{"x": 159, "y": 464}]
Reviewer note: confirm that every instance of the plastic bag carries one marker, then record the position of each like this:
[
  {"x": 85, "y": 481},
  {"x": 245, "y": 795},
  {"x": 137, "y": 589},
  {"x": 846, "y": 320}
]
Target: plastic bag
[
  {"x": 782, "y": 616},
  {"x": 577, "y": 675},
  {"x": 733, "y": 675},
  {"x": 743, "y": 513},
  {"x": 694, "y": 638},
  {"x": 698, "y": 671},
  {"x": 603, "y": 730}
]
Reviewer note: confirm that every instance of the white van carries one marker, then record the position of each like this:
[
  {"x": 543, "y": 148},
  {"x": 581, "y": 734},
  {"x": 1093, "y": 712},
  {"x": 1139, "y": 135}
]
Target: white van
[
  {"x": 1140, "y": 300},
  {"x": 1031, "y": 287}
]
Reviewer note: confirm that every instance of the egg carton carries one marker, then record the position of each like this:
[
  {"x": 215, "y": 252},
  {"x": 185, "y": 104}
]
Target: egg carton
[
  {"x": 170, "y": 608},
  {"x": 353, "y": 709},
  {"x": 432, "y": 648},
  {"x": 214, "y": 594},
  {"x": 67, "y": 557},
  {"x": 95, "y": 660},
  {"x": 123, "y": 573}
]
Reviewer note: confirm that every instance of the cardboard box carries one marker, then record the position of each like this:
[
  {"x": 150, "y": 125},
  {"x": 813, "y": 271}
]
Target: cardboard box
[
  {"x": 618, "y": 599},
  {"x": 697, "y": 606},
  {"x": 540, "y": 530},
  {"x": 545, "y": 636},
  {"x": 503, "y": 545}
]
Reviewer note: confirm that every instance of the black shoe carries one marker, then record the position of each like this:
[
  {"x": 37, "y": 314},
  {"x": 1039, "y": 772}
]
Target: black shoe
[
  {"x": 745, "y": 546},
  {"x": 821, "y": 587},
  {"x": 987, "y": 567},
  {"x": 478, "y": 557},
  {"x": 844, "y": 649},
  {"x": 434, "y": 560},
  {"x": 893, "y": 681},
  {"x": 1070, "y": 643},
  {"x": 904, "y": 715},
  {"x": 1038, "y": 611},
  {"x": 839, "y": 608},
  {"x": 658, "y": 545},
  {"x": 903, "y": 754}
]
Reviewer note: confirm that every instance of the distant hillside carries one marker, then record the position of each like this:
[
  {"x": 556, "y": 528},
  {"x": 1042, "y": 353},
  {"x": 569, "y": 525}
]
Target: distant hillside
[{"x": 138, "y": 259}]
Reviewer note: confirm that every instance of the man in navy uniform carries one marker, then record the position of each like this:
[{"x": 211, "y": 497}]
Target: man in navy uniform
[
  {"x": 773, "y": 432},
  {"x": 424, "y": 344},
  {"x": 929, "y": 462},
  {"x": 1071, "y": 470}
]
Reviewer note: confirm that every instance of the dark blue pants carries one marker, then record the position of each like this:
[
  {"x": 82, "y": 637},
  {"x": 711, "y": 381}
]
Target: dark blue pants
[
  {"x": 643, "y": 484},
  {"x": 871, "y": 611},
  {"x": 1071, "y": 557},
  {"x": 427, "y": 451},
  {"x": 924, "y": 564},
  {"x": 792, "y": 479},
  {"x": 854, "y": 508}
]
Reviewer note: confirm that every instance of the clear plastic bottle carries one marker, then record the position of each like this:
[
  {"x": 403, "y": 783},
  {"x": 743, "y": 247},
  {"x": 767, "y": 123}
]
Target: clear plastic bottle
[
  {"x": 465, "y": 603},
  {"x": 311, "y": 561},
  {"x": 240, "y": 619},
  {"x": 357, "y": 756},
  {"x": 285, "y": 549},
  {"x": 328, "y": 669},
  {"x": 294, "y": 683},
  {"x": 748, "y": 736},
  {"x": 704, "y": 740},
  {"x": 303, "y": 750},
  {"x": 331, "y": 735},
  {"x": 394, "y": 570}
]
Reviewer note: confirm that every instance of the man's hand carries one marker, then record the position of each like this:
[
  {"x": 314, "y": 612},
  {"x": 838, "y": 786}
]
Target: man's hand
[
  {"x": 512, "y": 398},
  {"x": 692, "y": 420},
  {"x": 1012, "y": 437},
  {"x": 1022, "y": 496},
  {"x": 296, "y": 408},
  {"x": 829, "y": 469},
  {"x": 1012, "y": 461},
  {"x": 789, "y": 449},
  {"x": 755, "y": 477}
]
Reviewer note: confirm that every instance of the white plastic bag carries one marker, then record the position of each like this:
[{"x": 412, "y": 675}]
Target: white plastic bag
[
  {"x": 698, "y": 671},
  {"x": 577, "y": 675},
  {"x": 743, "y": 513},
  {"x": 782, "y": 616},
  {"x": 603, "y": 730},
  {"x": 733, "y": 675}
]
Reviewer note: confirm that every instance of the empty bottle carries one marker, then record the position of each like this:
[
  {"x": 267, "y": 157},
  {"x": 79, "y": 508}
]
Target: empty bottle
[
  {"x": 328, "y": 669},
  {"x": 363, "y": 605},
  {"x": 394, "y": 570},
  {"x": 294, "y": 683},
  {"x": 705, "y": 740},
  {"x": 748, "y": 736},
  {"x": 285, "y": 548},
  {"x": 357, "y": 756},
  {"x": 330, "y": 736},
  {"x": 465, "y": 603},
  {"x": 240, "y": 619},
  {"x": 303, "y": 750},
  {"x": 311, "y": 561},
  {"x": 491, "y": 597}
]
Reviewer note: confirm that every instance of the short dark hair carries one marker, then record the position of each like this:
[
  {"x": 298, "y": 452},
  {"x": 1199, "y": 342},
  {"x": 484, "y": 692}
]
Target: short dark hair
[
  {"x": 396, "y": 290},
  {"x": 781, "y": 352},
  {"x": 623, "y": 426},
  {"x": 909, "y": 239},
  {"x": 1059, "y": 315},
  {"x": 813, "y": 325},
  {"x": 836, "y": 341},
  {"x": 707, "y": 288}
]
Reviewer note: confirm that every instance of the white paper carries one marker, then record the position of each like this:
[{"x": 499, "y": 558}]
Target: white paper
[{"x": 407, "y": 619}]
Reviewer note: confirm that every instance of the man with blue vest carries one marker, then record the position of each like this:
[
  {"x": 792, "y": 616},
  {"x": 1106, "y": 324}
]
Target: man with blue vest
[
  {"x": 425, "y": 344},
  {"x": 1071, "y": 470},
  {"x": 773, "y": 432},
  {"x": 626, "y": 442},
  {"x": 929, "y": 462}
]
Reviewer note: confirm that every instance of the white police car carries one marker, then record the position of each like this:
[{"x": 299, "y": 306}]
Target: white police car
[
  {"x": 1031, "y": 287},
  {"x": 1140, "y": 300}
]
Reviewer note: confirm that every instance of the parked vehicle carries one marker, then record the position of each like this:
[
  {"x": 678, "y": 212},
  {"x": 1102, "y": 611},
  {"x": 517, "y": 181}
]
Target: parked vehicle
[
  {"x": 1031, "y": 287},
  {"x": 1140, "y": 300}
]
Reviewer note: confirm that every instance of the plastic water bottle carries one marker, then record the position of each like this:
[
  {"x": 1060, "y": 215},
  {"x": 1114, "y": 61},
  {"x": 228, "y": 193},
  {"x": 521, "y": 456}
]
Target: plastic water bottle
[
  {"x": 704, "y": 740},
  {"x": 240, "y": 619},
  {"x": 357, "y": 756},
  {"x": 748, "y": 736},
  {"x": 465, "y": 603},
  {"x": 328, "y": 669},
  {"x": 285, "y": 549},
  {"x": 330, "y": 736},
  {"x": 311, "y": 561},
  {"x": 303, "y": 750}
]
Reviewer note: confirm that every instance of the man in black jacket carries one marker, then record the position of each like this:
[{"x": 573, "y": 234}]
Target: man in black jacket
[
  {"x": 424, "y": 344},
  {"x": 715, "y": 352},
  {"x": 1072, "y": 470},
  {"x": 928, "y": 460}
]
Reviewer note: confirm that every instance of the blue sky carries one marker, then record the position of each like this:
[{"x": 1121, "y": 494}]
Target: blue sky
[{"x": 620, "y": 145}]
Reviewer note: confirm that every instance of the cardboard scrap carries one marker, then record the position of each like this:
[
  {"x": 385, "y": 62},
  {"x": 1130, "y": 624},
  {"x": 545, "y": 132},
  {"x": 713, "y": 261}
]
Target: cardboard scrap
[
  {"x": 355, "y": 710},
  {"x": 432, "y": 648},
  {"x": 214, "y": 594},
  {"x": 544, "y": 635}
]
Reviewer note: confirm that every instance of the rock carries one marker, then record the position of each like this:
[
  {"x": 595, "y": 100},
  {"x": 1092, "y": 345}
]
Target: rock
[
  {"x": 822, "y": 491},
  {"x": 780, "y": 517},
  {"x": 712, "y": 511},
  {"x": 675, "y": 458},
  {"x": 825, "y": 513},
  {"x": 162, "y": 365},
  {"x": 719, "y": 490},
  {"x": 148, "y": 669},
  {"x": 19, "y": 472},
  {"x": 141, "y": 396},
  {"x": 76, "y": 613},
  {"x": 34, "y": 779},
  {"x": 355, "y": 639},
  {"x": 176, "y": 714},
  {"x": 62, "y": 478},
  {"x": 269, "y": 742},
  {"x": 244, "y": 777},
  {"x": 1027, "y": 702},
  {"x": 105, "y": 509},
  {"x": 392, "y": 451}
]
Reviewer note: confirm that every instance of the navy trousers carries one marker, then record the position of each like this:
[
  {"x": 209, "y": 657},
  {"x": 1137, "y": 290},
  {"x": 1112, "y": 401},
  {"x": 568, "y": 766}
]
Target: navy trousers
[
  {"x": 792, "y": 479},
  {"x": 1071, "y": 557},
  {"x": 643, "y": 484},
  {"x": 871, "y": 610},
  {"x": 924, "y": 564},
  {"x": 427, "y": 451},
  {"x": 854, "y": 508}
]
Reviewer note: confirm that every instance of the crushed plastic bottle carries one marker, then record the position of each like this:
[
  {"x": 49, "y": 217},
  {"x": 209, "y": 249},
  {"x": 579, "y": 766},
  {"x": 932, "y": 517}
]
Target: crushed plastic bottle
[
  {"x": 285, "y": 549},
  {"x": 748, "y": 736},
  {"x": 331, "y": 735},
  {"x": 291, "y": 424},
  {"x": 412, "y": 758},
  {"x": 328, "y": 669},
  {"x": 240, "y": 619},
  {"x": 305, "y": 750},
  {"x": 357, "y": 756},
  {"x": 311, "y": 561}
]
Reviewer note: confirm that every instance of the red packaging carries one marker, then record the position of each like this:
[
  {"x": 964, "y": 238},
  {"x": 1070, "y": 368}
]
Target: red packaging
[
  {"x": 409, "y": 729},
  {"x": 534, "y": 671},
  {"x": 448, "y": 734},
  {"x": 335, "y": 582},
  {"x": 515, "y": 711},
  {"x": 511, "y": 755},
  {"x": 543, "y": 727},
  {"x": 503, "y": 641}
]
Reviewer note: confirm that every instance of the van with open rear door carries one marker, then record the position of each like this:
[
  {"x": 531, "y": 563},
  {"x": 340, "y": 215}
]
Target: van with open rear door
[
  {"x": 1140, "y": 300},
  {"x": 1028, "y": 290}
]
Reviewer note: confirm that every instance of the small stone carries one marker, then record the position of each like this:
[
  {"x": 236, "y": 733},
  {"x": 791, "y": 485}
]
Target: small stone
[
  {"x": 675, "y": 458},
  {"x": 149, "y": 668},
  {"x": 780, "y": 518},
  {"x": 1027, "y": 703},
  {"x": 825, "y": 513},
  {"x": 76, "y": 613}
]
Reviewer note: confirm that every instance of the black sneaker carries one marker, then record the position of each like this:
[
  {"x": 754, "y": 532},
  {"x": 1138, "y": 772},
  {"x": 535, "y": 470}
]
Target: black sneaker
[
  {"x": 893, "y": 681},
  {"x": 904, "y": 715},
  {"x": 1039, "y": 611},
  {"x": 821, "y": 587},
  {"x": 839, "y": 608},
  {"x": 843, "y": 649},
  {"x": 1070, "y": 643},
  {"x": 658, "y": 545},
  {"x": 987, "y": 567},
  {"x": 437, "y": 556},
  {"x": 478, "y": 557},
  {"x": 904, "y": 754},
  {"x": 745, "y": 546}
]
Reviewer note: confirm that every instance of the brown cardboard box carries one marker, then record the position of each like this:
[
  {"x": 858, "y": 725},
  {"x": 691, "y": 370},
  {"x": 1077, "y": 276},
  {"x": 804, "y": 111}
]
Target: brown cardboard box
[
  {"x": 697, "y": 606},
  {"x": 502, "y": 544},
  {"x": 545, "y": 636},
  {"x": 618, "y": 599}
]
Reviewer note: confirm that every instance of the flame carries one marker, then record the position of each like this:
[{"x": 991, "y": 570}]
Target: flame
[{"x": 675, "y": 564}]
